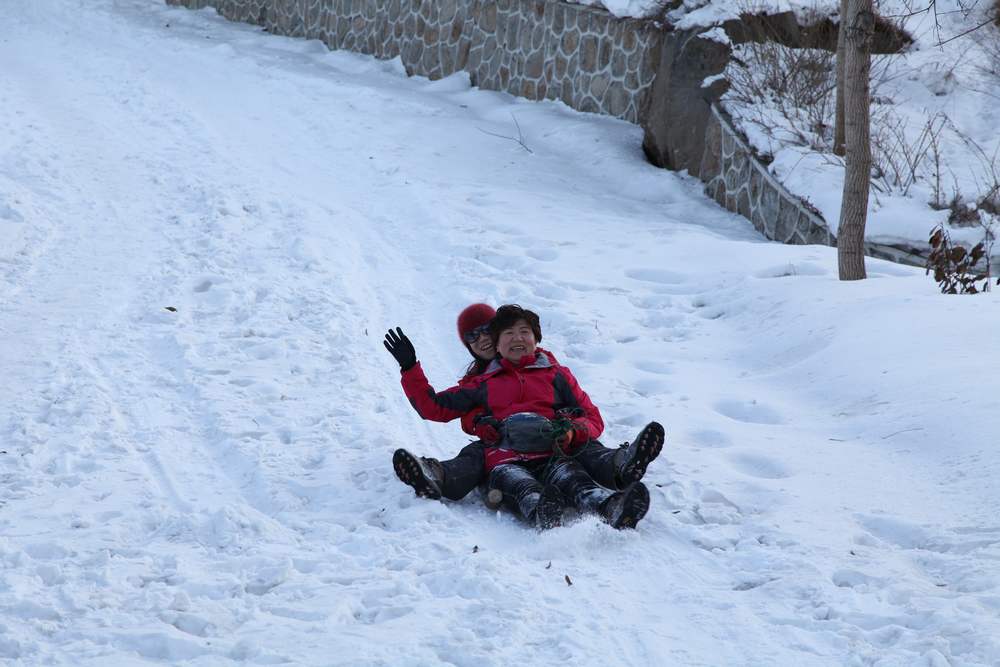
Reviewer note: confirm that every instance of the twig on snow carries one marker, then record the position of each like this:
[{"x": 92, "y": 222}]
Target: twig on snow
[{"x": 519, "y": 139}]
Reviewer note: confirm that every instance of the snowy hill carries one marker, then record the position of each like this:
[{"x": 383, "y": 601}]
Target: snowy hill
[{"x": 204, "y": 232}]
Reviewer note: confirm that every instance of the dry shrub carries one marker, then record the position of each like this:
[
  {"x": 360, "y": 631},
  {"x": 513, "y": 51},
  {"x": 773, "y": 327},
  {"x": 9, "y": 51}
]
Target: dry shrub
[{"x": 955, "y": 268}]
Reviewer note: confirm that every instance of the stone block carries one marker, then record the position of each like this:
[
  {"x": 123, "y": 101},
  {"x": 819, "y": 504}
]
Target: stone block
[
  {"x": 558, "y": 13},
  {"x": 447, "y": 10},
  {"x": 617, "y": 101},
  {"x": 462, "y": 57},
  {"x": 589, "y": 105},
  {"x": 560, "y": 66},
  {"x": 428, "y": 62},
  {"x": 743, "y": 203},
  {"x": 728, "y": 144},
  {"x": 512, "y": 33},
  {"x": 446, "y": 59},
  {"x": 598, "y": 85},
  {"x": 588, "y": 53},
  {"x": 629, "y": 41},
  {"x": 770, "y": 224},
  {"x": 538, "y": 36},
  {"x": 784, "y": 225},
  {"x": 731, "y": 175},
  {"x": 528, "y": 90},
  {"x": 489, "y": 48},
  {"x": 618, "y": 65},
  {"x": 524, "y": 39},
  {"x": 570, "y": 42},
  {"x": 633, "y": 63},
  {"x": 756, "y": 183},
  {"x": 533, "y": 65},
  {"x": 820, "y": 235},
  {"x": 566, "y": 94},
  {"x": 719, "y": 192},
  {"x": 488, "y": 18},
  {"x": 604, "y": 59},
  {"x": 415, "y": 52}
]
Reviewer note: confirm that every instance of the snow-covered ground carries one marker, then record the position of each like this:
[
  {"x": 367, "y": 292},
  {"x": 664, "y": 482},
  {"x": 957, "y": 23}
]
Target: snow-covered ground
[
  {"x": 204, "y": 232},
  {"x": 934, "y": 123}
]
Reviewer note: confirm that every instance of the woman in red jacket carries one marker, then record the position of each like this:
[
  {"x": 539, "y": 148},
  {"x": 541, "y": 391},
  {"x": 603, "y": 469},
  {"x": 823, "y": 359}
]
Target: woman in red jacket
[
  {"x": 454, "y": 478},
  {"x": 526, "y": 379}
]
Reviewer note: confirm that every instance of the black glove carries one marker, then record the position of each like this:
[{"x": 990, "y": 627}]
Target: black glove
[{"x": 401, "y": 348}]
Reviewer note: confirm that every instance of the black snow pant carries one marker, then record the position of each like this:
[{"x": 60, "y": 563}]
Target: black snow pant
[
  {"x": 522, "y": 482},
  {"x": 599, "y": 462},
  {"x": 464, "y": 472}
]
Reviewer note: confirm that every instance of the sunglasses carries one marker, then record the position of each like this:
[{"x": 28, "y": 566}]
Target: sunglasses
[{"x": 473, "y": 335}]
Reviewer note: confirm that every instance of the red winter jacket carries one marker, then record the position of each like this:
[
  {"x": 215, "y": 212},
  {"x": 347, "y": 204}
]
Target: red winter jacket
[{"x": 541, "y": 385}]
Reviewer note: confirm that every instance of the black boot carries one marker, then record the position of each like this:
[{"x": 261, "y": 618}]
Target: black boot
[
  {"x": 549, "y": 509},
  {"x": 633, "y": 459},
  {"x": 625, "y": 508},
  {"x": 423, "y": 474}
]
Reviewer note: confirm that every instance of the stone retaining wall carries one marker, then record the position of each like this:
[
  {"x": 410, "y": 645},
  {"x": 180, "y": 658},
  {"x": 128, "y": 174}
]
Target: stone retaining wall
[
  {"x": 536, "y": 49},
  {"x": 740, "y": 183}
]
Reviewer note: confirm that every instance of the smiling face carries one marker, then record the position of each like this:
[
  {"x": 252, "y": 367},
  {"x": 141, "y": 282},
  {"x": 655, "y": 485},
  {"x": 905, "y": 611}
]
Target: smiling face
[
  {"x": 516, "y": 341},
  {"x": 482, "y": 347}
]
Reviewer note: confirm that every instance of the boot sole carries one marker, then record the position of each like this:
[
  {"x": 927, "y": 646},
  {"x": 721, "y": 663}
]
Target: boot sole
[
  {"x": 634, "y": 507},
  {"x": 650, "y": 445},
  {"x": 408, "y": 471}
]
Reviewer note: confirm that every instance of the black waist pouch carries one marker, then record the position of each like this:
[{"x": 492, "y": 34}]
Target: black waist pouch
[{"x": 526, "y": 432}]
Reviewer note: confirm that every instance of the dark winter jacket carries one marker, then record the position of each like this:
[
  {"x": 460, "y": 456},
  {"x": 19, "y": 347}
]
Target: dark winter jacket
[{"x": 540, "y": 385}]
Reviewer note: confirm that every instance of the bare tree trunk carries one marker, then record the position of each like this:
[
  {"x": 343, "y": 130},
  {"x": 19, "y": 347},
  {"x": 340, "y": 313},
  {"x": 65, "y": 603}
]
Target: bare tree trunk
[
  {"x": 838, "y": 120},
  {"x": 860, "y": 25}
]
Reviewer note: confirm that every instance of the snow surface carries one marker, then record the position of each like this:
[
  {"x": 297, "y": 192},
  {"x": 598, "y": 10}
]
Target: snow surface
[{"x": 204, "y": 232}]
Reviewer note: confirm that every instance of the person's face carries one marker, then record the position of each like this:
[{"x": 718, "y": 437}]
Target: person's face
[
  {"x": 516, "y": 341},
  {"x": 482, "y": 347}
]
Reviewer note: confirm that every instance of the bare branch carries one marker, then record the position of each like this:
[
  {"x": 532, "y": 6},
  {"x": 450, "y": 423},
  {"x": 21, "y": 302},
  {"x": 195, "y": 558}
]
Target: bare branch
[{"x": 519, "y": 139}]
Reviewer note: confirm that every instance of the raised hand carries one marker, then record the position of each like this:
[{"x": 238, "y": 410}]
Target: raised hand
[{"x": 400, "y": 348}]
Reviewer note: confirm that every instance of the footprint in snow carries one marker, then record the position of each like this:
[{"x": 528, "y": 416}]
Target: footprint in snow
[
  {"x": 654, "y": 366},
  {"x": 9, "y": 214},
  {"x": 542, "y": 254},
  {"x": 750, "y": 412},
  {"x": 759, "y": 466},
  {"x": 710, "y": 438},
  {"x": 646, "y": 387},
  {"x": 658, "y": 276},
  {"x": 854, "y": 579}
]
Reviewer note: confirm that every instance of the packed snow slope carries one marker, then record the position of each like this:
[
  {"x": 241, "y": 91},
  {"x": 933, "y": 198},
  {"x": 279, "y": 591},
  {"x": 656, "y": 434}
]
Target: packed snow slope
[{"x": 205, "y": 231}]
